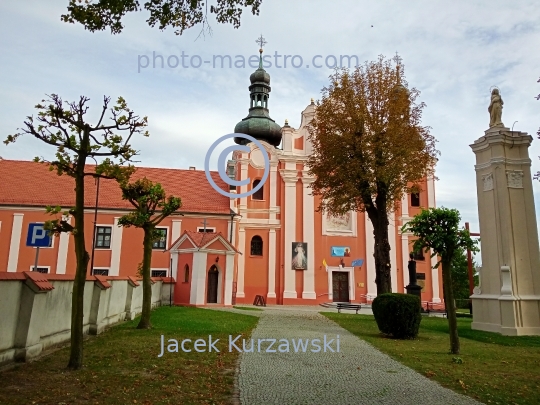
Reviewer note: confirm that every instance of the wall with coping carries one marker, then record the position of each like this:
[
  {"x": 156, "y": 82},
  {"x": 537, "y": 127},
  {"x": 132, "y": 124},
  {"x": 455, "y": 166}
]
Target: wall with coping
[{"x": 36, "y": 309}]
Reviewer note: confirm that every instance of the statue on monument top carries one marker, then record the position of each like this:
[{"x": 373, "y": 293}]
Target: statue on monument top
[{"x": 495, "y": 109}]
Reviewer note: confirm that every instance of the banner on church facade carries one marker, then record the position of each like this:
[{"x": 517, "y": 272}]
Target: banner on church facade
[
  {"x": 340, "y": 251},
  {"x": 299, "y": 256}
]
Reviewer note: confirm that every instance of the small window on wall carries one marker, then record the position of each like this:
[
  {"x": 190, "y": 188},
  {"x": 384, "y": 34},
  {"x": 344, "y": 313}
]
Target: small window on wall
[
  {"x": 418, "y": 255},
  {"x": 159, "y": 273},
  {"x": 415, "y": 199},
  {"x": 43, "y": 270},
  {"x": 161, "y": 243},
  {"x": 103, "y": 237},
  {"x": 186, "y": 274},
  {"x": 100, "y": 272},
  {"x": 257, "y": 195},
  {"x": 256, "y": 246}
]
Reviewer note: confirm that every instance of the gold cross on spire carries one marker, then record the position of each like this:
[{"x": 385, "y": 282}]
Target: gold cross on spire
[{"x": 261, "y": 41}]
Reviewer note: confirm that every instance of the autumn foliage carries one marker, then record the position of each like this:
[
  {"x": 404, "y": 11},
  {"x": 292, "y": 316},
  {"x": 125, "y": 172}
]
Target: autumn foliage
[{"x": 369, "y": 148}]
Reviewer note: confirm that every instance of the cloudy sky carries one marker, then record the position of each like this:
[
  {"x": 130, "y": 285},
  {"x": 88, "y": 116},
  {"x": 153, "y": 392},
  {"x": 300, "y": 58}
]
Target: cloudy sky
[{"x": 453, "y": 53}]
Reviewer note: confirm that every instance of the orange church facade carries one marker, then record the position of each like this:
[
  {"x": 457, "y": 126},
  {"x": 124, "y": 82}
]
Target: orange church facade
[{"x": 222, "y": 250}]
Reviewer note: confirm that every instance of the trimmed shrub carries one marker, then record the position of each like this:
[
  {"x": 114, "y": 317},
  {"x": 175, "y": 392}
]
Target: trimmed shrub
[{"x": 397, "y": 315}]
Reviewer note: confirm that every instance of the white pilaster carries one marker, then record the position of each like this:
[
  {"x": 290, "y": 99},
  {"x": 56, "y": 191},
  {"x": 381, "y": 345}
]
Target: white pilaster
[
  {"x": 370, "y": 260},
  {"x": 435, "y": 280},
  {"x": 14, "y": 245},
  {"x": 241, "y": 263},
  {"x": 309, "y": 237},
  {"x": 243, "y": 176},
  {"x": 271, "y": 263},
  {"x": 273, "y": 190},
  {"x": 229, "y": 271},
  {"x": 61, "y": 260},
  {"x": 393, "y": 250},
  {"x": 405, "y": 241},
  {"x": 116, "y": 248},
  {"x": 290, "y": 179},
  {"x": 198, "y": 279},
  {"x": 176, "y": 230},
  {"x": 431, "y": 191}
]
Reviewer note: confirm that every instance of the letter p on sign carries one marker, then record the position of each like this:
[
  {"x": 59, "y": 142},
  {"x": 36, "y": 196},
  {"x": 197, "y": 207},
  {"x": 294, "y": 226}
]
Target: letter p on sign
[{"x": 38, "y": 236}]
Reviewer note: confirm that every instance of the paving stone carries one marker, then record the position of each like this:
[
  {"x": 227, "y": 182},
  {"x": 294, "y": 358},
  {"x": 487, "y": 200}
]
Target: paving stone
[{"x": 358, "y": 374}]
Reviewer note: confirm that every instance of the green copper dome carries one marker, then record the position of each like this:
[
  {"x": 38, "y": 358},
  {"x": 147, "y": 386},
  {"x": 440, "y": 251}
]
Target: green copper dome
[{"x": 258, "y": 123}]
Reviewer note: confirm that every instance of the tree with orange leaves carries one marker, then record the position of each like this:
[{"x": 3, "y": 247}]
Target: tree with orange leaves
[{"x": 368, "y": 148}]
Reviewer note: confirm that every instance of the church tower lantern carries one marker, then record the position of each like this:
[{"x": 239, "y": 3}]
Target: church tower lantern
[{"x": 258, "y": 123}]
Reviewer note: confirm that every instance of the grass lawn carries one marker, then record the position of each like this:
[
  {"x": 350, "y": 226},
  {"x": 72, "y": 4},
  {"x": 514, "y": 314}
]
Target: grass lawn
[
  {"x": 248, "y": 308},
  {"x": 495, "y": 370},
  {"x": 121, "y": 366}
]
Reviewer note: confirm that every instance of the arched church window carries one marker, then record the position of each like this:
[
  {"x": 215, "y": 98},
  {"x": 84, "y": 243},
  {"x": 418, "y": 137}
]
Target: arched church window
[
  {"x": 256, "y": 246},
  {"x": 186, "y": 274},
  {"x": 257, "y": 195},
  {"x": 415, "y": 200},
  {"x": 265, "y": 101}
]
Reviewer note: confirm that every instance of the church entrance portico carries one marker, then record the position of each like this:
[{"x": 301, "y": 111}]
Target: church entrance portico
[{"x": 341, "y": 284}]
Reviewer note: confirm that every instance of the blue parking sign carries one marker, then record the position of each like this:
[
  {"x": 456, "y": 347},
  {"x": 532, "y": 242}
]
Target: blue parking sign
[{"x": 38, "y": 236}]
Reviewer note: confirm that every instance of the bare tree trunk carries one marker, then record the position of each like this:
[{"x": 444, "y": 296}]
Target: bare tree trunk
[
  {"x": 383, "y": 277},
  {"x": 147, "y": 282},
  {"x": 450, "y": 306},
  {"x": 77, "y": 299}
]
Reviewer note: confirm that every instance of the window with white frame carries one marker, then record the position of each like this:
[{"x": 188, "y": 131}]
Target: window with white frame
[
  {"x": 161, "y": 243},
  {"x": 103, "y": 237},
  {"x": 201, "y": 229},
  {"x": 41, "y": 269},
  {"x": 159, "y": 273},
  {"x": 100, "y": 272}
]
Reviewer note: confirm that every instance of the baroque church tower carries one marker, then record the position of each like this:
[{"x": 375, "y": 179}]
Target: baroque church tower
[{"x": 291, "y": 253}]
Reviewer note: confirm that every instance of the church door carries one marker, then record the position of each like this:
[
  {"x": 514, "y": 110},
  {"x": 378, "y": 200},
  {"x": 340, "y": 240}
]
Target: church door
[
  {"x": 212, "y": 286},
  {"x": 340, "y": 286}
]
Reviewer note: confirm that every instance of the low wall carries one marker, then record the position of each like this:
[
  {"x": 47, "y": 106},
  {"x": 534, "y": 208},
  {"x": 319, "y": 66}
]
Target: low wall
[{"x": 35, "y": 309}]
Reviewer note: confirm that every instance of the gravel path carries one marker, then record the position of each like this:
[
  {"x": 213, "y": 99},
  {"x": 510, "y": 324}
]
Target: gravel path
[{"x": 357, "y": 374}]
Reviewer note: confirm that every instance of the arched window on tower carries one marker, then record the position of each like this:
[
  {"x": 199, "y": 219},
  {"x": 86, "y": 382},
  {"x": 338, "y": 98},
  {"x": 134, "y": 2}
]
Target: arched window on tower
[
  {"x": 186, "y": 274},
  {"x": 256, "y": 246},
  {"x": 259, "y": 100},
  {"x": 265, "y": 101},
  {"x": 257, "y": 195}
]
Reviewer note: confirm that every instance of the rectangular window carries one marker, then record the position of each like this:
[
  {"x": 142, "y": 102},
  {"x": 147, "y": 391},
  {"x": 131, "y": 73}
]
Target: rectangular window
[
  {"x": 415, "y": 200},
  {"x": 44, "y": 270},
  {"x": 419, "y": 255},
  {"x": 161, "y": 243},
  {"x": 103, "y": 237},
  {"x": 201, "y": 229},
  {"x": 100, "y": 272},
  {"x": 159, "y": 273}
]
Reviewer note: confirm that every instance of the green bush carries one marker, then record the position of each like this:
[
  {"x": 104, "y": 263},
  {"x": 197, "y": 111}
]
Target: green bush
[{"x": 397, "y": 315}]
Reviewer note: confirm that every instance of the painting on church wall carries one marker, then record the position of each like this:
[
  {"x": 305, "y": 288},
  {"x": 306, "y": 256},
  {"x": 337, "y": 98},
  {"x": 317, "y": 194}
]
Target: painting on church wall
[
  {"x": 340, "y": 251},
  {"x": 299, "y": 256},
  {"x": 339, "y": 222}
]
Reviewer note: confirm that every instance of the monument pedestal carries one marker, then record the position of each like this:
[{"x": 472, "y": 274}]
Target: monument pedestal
[{"x": 508, "y": 300}]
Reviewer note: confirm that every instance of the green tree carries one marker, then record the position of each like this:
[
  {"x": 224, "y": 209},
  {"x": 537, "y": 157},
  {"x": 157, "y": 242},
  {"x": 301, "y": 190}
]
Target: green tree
[
  {"x": 98, "y": 15},
  {"x": 368, "y": 148},
  {"x": 151, "y": 207},
  {"x": 460, "y": 275},
  {"x": 438, "y": 229},
  {"x": 62, "y": 125}
]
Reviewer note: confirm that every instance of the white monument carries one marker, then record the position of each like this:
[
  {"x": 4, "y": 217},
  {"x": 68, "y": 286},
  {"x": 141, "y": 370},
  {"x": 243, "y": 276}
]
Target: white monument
[{"x": 508, "y": 301}]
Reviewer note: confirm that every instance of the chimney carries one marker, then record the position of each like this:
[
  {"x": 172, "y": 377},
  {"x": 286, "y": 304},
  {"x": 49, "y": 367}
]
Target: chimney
[{"x": 191, "y": 167}]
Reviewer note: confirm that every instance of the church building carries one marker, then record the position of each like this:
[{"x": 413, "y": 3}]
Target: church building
[{"x": 223, "y": 251}]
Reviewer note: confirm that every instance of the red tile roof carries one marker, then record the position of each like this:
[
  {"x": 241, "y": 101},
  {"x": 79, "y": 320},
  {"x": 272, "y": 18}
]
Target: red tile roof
[
  {"x": 204, "y": 238},
  {"x": 39, "y": 280},
  {"x": 28, "y": 183}
]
